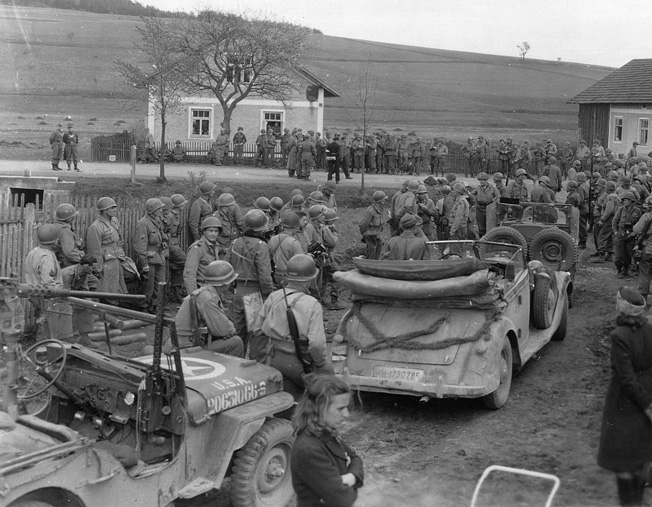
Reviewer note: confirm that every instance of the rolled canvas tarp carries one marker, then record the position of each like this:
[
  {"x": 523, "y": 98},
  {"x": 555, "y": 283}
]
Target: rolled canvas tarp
[
  {"x": 360, "y": 284},
  {"x": 419, "y": 270}
]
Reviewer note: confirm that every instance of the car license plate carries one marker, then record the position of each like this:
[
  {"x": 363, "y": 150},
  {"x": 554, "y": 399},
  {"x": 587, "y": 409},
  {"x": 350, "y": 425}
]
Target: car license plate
[{"x": 389, "y": 372}]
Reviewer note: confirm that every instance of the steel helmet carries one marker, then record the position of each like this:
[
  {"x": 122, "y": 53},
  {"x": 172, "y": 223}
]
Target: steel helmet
[
  {"x": 571, "y": 185},
  {"x": 225, "y": 199},
  {"x": 577, "y": 163},
  {"x": 211, "y": 222},
  {"x": 206, "y": 187},
  {"x": 167, "y": 203},
  {"x": 422, "y": 189},
  {"x": 316, "y": 211},
  {"x": 262, "y": 203},
  {"x": 648, "y": 202},
  {"x": 405, "y": 184},
  {"x": 331, "y": 215},
  {"x": 498, "y": 176},
  {"x": 297, "y": 201},
  {"x": 153, "y": 204},
  {"x": 48, "y": 233},
  {"x": 610, "y": 185},
  {"x": 628, "y": 195},
  {"x": 379, "y": 196},
  {"x": 65, "y": 212},
  {"x": 330, "y": 185},
  {"x": 301, "y": 268},
  {"x": 459, "y": 188},
  {"x": 276, "y": 203},
  {"x": 596, "y": 175},
  {"x": 483, "y": 176},
  {"x": 296, "y": 191},
  {"x": 521, "y": 172},
  {"x": 255, "y": 220},
  {"x": 601, "y": 182},
  {"x": 625, "y": 180},
  {"x": 290, "y": 220},
  {"x": 178, "y": 200},
  {"x": 219, "y": 273},
  {"x": 545, "y": 180},
  {"x": 581, "y": 176},
  {"x": 450, "y": 177},
  {"x": 317, "y": 196},
  {"x": 104, "y": 203},
  {"x": 413, "y": 185}
]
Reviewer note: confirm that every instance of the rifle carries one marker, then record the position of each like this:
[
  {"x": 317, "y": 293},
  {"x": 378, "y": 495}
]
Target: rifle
[{"x": 307, "y": 362}]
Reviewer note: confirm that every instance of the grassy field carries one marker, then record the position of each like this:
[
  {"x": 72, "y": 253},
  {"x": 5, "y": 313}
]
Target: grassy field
[{"x": 59, "y": 63}]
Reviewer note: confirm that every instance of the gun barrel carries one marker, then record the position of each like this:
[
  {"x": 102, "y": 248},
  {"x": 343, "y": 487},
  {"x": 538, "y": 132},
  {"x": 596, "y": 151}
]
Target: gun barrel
[
  {"x": 25, "y": 290},
  {"x": 114, "y": 310}
]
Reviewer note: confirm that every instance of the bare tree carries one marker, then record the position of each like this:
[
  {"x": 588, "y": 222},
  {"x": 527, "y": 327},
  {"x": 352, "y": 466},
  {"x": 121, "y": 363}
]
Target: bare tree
[
  {"x": 233, "y": 57},
  {"x": 361, "y": 111},
  {"x": 160, "y": 72},
  {"x": 523, "y": 48}
]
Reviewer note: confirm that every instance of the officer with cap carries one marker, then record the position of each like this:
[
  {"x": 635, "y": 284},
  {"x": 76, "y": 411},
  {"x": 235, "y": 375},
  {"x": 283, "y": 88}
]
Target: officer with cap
[
  {"x": 285, "y": 245},
  {"x": 249, "y": 256},
  {"x": 56, "y": 143},
  {"x": 201, "y": 253},
  {"x": 372, "y": 225},
  {"x": 407, "y": 245},
  {"x": 239, "y": 140},
  {"x": 71, "y": 141},
  {"x": 207, "y": 305},
  {"x": 148, "y": 246},
  {"x": 104, "y": 242},
  {"x": 42, "y": 268},
  {"x": 201, "y": 208},
  {"x": 308, "y": 314},
  {"x": 485, "y": 194},
  {"x": 624, "y": 237}
]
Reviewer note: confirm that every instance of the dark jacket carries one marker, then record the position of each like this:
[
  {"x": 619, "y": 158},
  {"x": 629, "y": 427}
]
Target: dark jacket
[
  {"x": 318, "y": 464},
  {"x": 626, "y": 437}
]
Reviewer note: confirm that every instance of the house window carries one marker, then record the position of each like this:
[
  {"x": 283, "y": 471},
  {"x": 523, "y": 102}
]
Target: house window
[
  {"x": 618, "y": 128},
  {"x": 273, "y": 120},
  {"x": 643, "y": 129},
  {"x": 238, "y": 71},
  {"x": 200, "y": 122}
]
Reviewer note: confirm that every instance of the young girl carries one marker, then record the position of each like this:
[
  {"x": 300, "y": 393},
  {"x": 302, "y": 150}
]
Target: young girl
[{"x": 325, "y": 471}]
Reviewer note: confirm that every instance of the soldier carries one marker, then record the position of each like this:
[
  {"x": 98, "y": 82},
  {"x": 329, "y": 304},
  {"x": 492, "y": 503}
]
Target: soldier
[
  {"x": 407, "y": 245},
  {"x": 293, "y": 145},
  {"x": 309, "y": 318},
  {"x": 574, "y": 199},
  {"x": 286, "y": 139},
  {"x": 270, "y": 147},
  {"x": 466, "y": 150},
  {"x": 643, "y": 233},
  {"x": 500, "y": 184},
  {"x": 440, "y": 160},
  {"x": 407, "y": 201},
  {"x": 402, "y": 150},
  {"x": 372, "y": 224},
  {"x": 333, "y": 158},
  {"x": 104, "y": 242},
  {"x": 319, "y": 239},
  {"x": 201, "y": 253},
  {"x": 221, "y": 147},
  {"x": 485, "y": 195},
  {"x": 261, "y": 144},
  {"x": 380, "y": 152},
  {"x": 239, "y": 140},
  {"x": 345, "y": 156},
  {"x": 358, "y": 148},
  {"x": 517, "y": 189},
  {"x": 285, "y": 245},
  {"x": 565, "y": 159},
  {"x": 328, "y": 190},
  {"x": 610, "y": 203},
  {"x": 504, "y": 156},
  {"x": 428, "y": 214},
  {"x": 320, "y": 151},
  {"x": 148, "y": 246},
  {"x": 552, "y": 171},
  {"x": 583, "y": 154},
  {"x": 624, "y": 237},
  {"x": 597, "y": 154},
  {"x": 41, "y": 268},
  {"x": 71, "y": 141},
  {"x": 459, "y": 215},
  {"x": 70, "y": 248},
  {"x": 263, "y": 204},
  {"x": 200, "y": 209},
  {"x": 210, "y": 313},
  {"x": 177, "y": 257},
  {"x": 541, "y": 193},
  {"x": 432, "y": 155},
  {"x": 306, "y": 151},
  {"x": 178, "y": 153},
  {"x": 329, "y": 286},
  {"x": 550, "y": 150},
  {"x": 584, "y": 189},
  {"x": 390, "y": 154},
  {"x": 393, "y": 220},
  {"x": 149, "y": 154},
  {"x": 370, "y": 153},
  {"x": 275, "y": 207},
  {"x": 632, "y": 154},
  {"x": 250, "y": 258},
  {"x": 56, "y": 143},
  {"x": 80, "y": 277},
  {"x": 315, "y": 197},
  {"x": 230, "y": 215}
]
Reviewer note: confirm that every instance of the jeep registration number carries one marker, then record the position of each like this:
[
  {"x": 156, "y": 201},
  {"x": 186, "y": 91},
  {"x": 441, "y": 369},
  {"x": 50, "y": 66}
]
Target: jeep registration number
[{"x": 398, "y": 373}]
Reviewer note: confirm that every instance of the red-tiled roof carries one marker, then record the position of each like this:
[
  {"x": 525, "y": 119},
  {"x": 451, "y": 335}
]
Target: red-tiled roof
[{"x": 631, "y": 83}]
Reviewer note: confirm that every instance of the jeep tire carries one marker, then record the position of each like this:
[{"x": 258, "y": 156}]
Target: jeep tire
[
  {"x": 543, "y": 302},
  {"x": 498, "y": 398},
  {"x": 555, "y": 248},
  {"x": 505, "y": 234},
  {"x": 261, "y": 473}
]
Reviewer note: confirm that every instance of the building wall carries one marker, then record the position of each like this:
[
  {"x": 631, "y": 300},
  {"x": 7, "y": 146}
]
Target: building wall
[
  {"x": 633, "y": 120},
  {"x": 250, "y": 114}
]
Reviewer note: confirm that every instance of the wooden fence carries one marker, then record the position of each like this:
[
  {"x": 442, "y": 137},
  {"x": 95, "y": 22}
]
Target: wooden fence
[{"x": 104, "y": 148}]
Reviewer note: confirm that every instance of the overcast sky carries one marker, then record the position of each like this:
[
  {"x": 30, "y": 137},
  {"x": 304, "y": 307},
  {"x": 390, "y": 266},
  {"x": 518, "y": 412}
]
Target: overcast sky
[{"x": 599, "y": 32}]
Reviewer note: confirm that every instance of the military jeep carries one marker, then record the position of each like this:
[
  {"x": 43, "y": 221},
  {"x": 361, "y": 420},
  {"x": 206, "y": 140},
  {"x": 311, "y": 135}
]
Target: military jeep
[
  {"x": 455, "y": 326},
  {"x": 117, "y": 431}
]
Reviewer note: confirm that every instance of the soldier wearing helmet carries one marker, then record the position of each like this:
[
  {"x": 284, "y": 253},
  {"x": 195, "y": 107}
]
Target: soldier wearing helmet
[
  {"x": 308, "y": 313},
  {"x": 542, "y": 191},
  {"x": 372, "y": 225},
  {"x": 207, "y": 304},
  {"x": 573, "y": 197},
  {"x": 42, "y": 268},
  {"x": 104, "y": 242},
  {"x": 459, "y": 213},
  {"x": 330, "y": 291},
  {"x": 315, "y": 197},
  {"x": 306, "y": 152},
  {"x": 229, "y": 213},
  {"x": 320, "y": 239},
  {"x": 393, "y": 221},
  {"x": 70, "y": 247},
  {"x": 407, "y": 245},
  {"x": 201, "y": 253},
  {"x": 407, "y": 202},
  {"x": 148, "y": 246},
  {"x": 553, "y": 172},
  {"x": 177, "y": 256},
  {"x": 286, "y": 244},
  {"x": 517, "y": 189},
  {"x": 485, "y": 194},
  {"x": 609, "y": 203},
  {"x": 626, "y": 216},
  {"x": 427, "y": 212},
  {"x": 249, "y": 256},
  {"x": 201, "y": 208},
  {"x": 261, "y": 144},
  {"x": 498, "y": 178},
  {"x": 329, "y": 193},
  {"x": 643, "y": 234}
]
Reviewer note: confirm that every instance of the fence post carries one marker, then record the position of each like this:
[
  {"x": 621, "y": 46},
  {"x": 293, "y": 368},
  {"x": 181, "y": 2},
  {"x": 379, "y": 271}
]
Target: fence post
[{"x": 132, "y": 160}]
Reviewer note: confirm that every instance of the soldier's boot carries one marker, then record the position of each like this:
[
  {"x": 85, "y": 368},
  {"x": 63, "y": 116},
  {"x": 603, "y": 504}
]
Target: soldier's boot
[
  {"x": 608, "y": 257},
  {"x": 55, "y": 167},
  {"x": 69, "y": 167},
  {"x": 77, "y": 168}
]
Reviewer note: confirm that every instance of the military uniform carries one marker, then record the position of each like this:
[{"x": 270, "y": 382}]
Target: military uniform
[
  {"x": 199, "y": 255},
  {"x": 406, "y": 246},
  {"x": 199, "y": 210},
  {"x": 177, "y": 257},
  {"x": 282, "y": 248},
  {"x": 71, "y": 141},
  {"x": 428, "y": 213},
  {"x": 306, "y": 150},
  {"x": 459, "y": 219},
  {"x": 211, "y": 315},
  {"x": 239, "y": 140},
  {"x": 371, "y": 228},
  {"x": 358, "y": 148},
  {"x": 56, "y": 143},
  {"x": 623, "y": 223},
  {"x": 73, "y": 279},
  {"x": 232, "y": 225},
  {"x": 485, "y": 195},
  {"x": 250, "y": 258},
  {"x": 606, "y": 236},
  {"x": 104, "y": 242},
  {"x": 71, "y": 246},
  {"x": 517, "y": 190},
  {"x": 148, "y": 245}
]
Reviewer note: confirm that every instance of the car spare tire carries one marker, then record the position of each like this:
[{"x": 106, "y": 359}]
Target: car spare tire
[
  {"x": 504, "y": 234},
  {"x": 554, "y": 248}
]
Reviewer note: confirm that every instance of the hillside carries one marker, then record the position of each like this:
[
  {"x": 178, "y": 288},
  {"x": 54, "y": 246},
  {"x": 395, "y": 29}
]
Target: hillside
[{"x": 60, "y": 63}]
